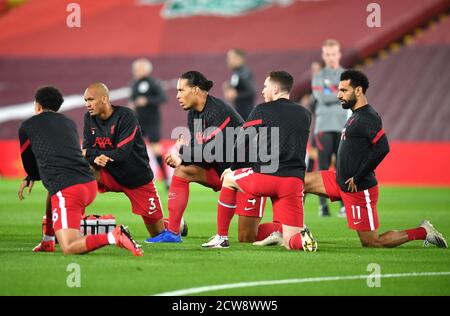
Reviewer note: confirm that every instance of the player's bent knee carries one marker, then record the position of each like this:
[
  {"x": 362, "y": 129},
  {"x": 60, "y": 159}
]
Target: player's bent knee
[
  {"x": 371, "y": 243},
  {"x": 181, "y": 172},
  {"x": 65, "y": 248},
  {"x": 189, "y": 173},
  {"x": 228, "y": 180}
]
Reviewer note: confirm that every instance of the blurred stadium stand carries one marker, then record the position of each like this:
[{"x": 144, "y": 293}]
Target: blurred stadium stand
[
  {"x": 408, "y": 86},
  {"x": 6, "y": 5}
]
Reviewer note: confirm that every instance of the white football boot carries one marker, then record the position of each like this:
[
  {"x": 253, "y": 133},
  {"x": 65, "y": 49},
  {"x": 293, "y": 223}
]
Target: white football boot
[
  {"x": 217, "y": 241},
  {"x": 433, "y": 236},
  {"x": 274, "y": 239}
]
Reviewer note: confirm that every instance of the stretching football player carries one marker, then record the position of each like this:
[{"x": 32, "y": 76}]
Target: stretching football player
[
  {"x": 113, "y": 144},
  {"x": 208, "y": 120},
  {"x": 362, "y": 148},
  {"x": 50, "y": 151},
  {"x": 281, "y": 177}
]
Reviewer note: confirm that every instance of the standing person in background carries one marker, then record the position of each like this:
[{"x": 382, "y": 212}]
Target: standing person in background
[
  {"x": 308, "y": 101},
  {"x": 240, "y": 91},
  {"x": 330, "y": 117},
  {"x": 147, "y": 96}
]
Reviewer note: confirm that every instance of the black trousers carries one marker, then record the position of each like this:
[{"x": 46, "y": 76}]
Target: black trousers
[{"x": 327, "y": 144}]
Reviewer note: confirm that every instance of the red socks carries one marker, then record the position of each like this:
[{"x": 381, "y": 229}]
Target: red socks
[
  {"x": 295, "y": 243},
  {"x": 96, "y": 241},
  {"x": 49, "y": 231},
  {"x": 49, "y": 219},
  {"x": 225, "y": 210},
  {"x": 178, "y": 199},
  {"x": 417, "y": 233},
  {"x": 148, "y": 221},
  {"x": 264, "y": 230}
]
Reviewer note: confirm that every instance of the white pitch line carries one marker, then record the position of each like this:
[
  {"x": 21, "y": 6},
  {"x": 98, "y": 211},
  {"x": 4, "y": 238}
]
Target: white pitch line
[{"x": 210, "y": 288}]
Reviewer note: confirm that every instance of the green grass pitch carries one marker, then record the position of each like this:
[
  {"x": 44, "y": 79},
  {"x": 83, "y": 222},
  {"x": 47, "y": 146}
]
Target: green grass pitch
[{"x": 171, "y": 267}]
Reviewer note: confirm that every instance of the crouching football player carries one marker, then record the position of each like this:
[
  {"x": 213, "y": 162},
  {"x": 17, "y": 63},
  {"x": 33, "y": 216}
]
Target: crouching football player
[{"x": 113, "y": 144}]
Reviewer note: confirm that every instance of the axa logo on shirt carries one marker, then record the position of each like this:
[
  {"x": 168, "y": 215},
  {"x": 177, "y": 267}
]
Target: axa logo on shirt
[
  {"x": 102, "y": 142},
  {"x": 343, "y": 136}
]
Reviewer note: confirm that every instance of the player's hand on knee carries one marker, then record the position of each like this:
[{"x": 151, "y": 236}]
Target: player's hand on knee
[
  {"x": 173, "y": 160},
  {"x": 352, "y": 187},
  {"x": 180, "y": 142},
  {"x": 102, "y": 160}
]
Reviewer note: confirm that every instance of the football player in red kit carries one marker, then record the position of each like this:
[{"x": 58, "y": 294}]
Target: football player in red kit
[
  {"x": 51, "y": 152},
  {"x": 113, "y": 144},
  {"x": 362, "y": 148}
]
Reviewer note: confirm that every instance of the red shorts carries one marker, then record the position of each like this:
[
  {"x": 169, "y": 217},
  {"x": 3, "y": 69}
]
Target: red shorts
[
  {"x": 68, "y": 205},
  {"x": 250, "y": 205},
  {"x": 361, "y": 207},
  {"x": 144, "y": 200},
  {"x": 286, "y": 194}
]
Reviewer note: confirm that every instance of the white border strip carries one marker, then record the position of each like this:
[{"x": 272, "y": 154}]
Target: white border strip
[
  {"x": 226, "y": 205},
  {"x": 62, "y": 208},
  {"x": 210, "y": 288},
  {"x": 369, "y": 210},
  {"x": 25, "y": 110}
]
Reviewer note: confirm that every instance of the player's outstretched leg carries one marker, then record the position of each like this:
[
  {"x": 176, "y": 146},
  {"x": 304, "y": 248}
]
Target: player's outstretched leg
[
  {"x": 72, "y": 243},
  {"x": 425, "y": 231}
]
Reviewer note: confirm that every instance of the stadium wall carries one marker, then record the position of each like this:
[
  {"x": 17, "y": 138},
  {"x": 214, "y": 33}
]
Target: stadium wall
[{"x": 408, "y": 163}]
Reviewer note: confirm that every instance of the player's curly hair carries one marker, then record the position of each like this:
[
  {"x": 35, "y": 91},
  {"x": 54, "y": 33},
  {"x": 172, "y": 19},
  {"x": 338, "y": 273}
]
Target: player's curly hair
[
  {"x": 357, "y": 79},
  {"x": 197, "y": 79},
  {"x": 49, "y": 98}
]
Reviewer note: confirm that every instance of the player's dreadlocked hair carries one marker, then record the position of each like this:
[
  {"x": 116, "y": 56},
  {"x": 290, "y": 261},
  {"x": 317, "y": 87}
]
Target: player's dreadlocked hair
[{"x": 197, "y": 79}]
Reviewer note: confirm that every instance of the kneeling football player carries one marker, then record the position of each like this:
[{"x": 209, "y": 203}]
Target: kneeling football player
[{"x": 50, "y": 151}]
